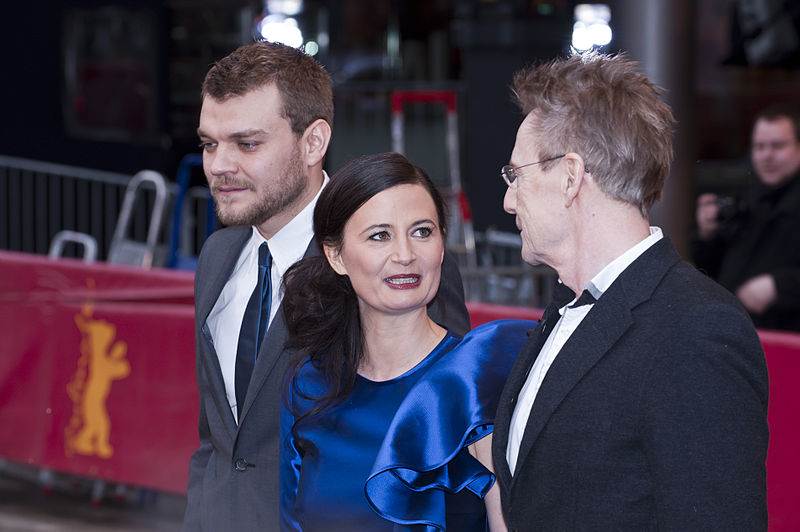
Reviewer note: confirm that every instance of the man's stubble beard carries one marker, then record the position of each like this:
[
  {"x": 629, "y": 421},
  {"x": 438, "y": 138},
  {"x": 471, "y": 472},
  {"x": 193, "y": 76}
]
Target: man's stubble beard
[{"x": 282, "y": 194}]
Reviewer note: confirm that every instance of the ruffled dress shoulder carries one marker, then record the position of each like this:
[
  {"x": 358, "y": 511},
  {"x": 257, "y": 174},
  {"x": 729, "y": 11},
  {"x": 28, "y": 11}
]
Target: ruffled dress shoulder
[
  {"x": 423, "y": 455},
  {"x": 394, "y": 456}
]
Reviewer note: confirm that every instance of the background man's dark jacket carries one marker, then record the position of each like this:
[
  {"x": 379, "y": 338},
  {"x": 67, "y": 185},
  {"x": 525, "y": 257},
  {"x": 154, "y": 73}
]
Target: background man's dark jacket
[{"x": 763, "y": 237}]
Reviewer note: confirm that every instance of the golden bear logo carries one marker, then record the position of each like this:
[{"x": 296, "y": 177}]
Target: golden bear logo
[{"x": 102, "y": 361}]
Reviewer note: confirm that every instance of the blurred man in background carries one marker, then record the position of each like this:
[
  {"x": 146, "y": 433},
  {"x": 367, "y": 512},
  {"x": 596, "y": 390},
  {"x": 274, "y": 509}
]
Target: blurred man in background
[{"x": 752, "y": 245}]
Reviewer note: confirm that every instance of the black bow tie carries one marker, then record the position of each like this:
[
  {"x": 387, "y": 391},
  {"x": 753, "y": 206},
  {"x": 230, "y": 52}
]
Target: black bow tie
[{"x": 586, "y": 299}]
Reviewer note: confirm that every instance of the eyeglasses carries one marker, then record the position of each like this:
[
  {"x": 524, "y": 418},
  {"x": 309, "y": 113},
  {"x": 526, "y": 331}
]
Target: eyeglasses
[{"x": 509, "y": 172}]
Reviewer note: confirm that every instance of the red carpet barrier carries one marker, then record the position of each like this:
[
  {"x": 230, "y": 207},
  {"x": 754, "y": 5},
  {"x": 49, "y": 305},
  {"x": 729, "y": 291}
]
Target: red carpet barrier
[
  {"x": 783, "y": 458},
  {"x": 97, "y": 376},
  {"x": 97, "y": 370},
  {"x": 483, "y": 312}
]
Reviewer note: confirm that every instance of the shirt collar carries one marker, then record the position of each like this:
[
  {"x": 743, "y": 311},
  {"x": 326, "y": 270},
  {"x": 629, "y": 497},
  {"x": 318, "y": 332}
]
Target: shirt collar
[
  {"x": 603, "y": 280},
  {"x": 600, "y": 283},
  {"x": 289, "y": 244}
]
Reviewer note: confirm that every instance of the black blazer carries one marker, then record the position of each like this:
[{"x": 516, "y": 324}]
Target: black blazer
[
  {"x": 233, "y": 475},
  {"x": 652, "y": 417}
]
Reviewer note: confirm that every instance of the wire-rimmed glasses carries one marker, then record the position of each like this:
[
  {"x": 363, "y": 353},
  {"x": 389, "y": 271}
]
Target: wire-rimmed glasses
[{"x": 509, "y": 172}]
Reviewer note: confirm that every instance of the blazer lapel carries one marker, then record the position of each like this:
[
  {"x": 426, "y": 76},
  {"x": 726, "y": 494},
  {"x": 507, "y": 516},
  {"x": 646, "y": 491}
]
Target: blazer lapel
[
  {"x": 227, "y": 260},
  {"x": 272, "y": 348},
  {"x": 518, "y": 376},
  {"x": 606, "y": 322},
  {"x": 600, "y": 329},
  {"x": 508, "y": 399},
  {"x": 206, "y": 298}
]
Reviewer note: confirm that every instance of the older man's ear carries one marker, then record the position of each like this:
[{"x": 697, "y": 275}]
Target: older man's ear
[{"x": 574, "y": 177}]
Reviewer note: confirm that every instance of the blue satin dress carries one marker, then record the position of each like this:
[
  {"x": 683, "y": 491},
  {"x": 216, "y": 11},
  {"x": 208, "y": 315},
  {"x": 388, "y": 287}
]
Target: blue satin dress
[{"x": 393, "y": 455}]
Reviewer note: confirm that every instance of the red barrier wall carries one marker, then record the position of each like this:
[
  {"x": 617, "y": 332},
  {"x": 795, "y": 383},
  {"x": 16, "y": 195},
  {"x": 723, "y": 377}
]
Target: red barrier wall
[
  {"x": 783, "y": 458},
  {"x": 97, "y": 376},
  {"x": 97, "y": 370}
]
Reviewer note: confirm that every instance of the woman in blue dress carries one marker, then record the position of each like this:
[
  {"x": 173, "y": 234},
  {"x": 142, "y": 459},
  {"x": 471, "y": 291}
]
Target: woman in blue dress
[{"x": 387, "y": 416}]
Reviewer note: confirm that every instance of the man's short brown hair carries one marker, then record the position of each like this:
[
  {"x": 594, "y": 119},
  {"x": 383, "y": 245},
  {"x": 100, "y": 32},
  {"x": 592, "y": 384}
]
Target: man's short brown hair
[
  {"x": 602, "y": 108},
  {"x": 304, "y": 85}
]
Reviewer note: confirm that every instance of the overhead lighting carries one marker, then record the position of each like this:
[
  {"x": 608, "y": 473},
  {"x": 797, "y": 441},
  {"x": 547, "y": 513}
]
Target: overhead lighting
[
  {"x": 282, "y": 29},
  {"x": 289, "y": 8},
  {"x": 591, "y": 28}
]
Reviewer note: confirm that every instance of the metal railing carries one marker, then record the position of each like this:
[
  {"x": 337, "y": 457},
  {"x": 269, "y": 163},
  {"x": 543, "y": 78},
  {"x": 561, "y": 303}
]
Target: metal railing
[
  {"x": 39, "y": 199},
  {"x": 503, "y": 277},
  {"x": 523, "y": 286}
]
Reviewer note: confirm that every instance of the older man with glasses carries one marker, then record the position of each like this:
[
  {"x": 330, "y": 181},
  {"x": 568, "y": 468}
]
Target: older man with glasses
[{"x": 640, "y": 400}]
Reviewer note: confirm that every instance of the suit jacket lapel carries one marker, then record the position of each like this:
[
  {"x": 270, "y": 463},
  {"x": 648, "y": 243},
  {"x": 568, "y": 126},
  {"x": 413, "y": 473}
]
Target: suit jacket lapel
[
  {"x": 272, "y": 347},
  {"x": 606, "y": 322},
  {"x": 227, "y": 260},
  {"x": 518, "y": 376},
  {"x": 600, "y": 329},
  {"x": 219, "y": 274}
]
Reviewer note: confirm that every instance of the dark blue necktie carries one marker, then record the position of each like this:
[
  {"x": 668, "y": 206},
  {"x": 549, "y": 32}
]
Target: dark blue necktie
[{"x": 254, "y": 325}]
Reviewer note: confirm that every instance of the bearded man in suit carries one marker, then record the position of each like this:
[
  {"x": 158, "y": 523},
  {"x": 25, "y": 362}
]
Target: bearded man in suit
[
  {"x": 640, "y": 404},
  {"x": 265, "y": 125}
]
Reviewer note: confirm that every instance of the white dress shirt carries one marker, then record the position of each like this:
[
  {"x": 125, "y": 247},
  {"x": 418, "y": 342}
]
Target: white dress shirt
[
  {"x": 287, "y": 246},
  {"x": 571, "y": 318}
]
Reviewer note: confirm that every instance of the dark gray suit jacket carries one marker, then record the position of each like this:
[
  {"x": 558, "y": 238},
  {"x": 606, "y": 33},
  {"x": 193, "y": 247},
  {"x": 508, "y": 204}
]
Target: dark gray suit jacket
[
  {"x": 233, "y": 475},
  {"x": 652, "y": 417}
]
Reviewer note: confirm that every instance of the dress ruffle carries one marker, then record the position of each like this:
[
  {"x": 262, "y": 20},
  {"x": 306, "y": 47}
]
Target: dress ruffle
[{"x": 424, "y": 453}]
